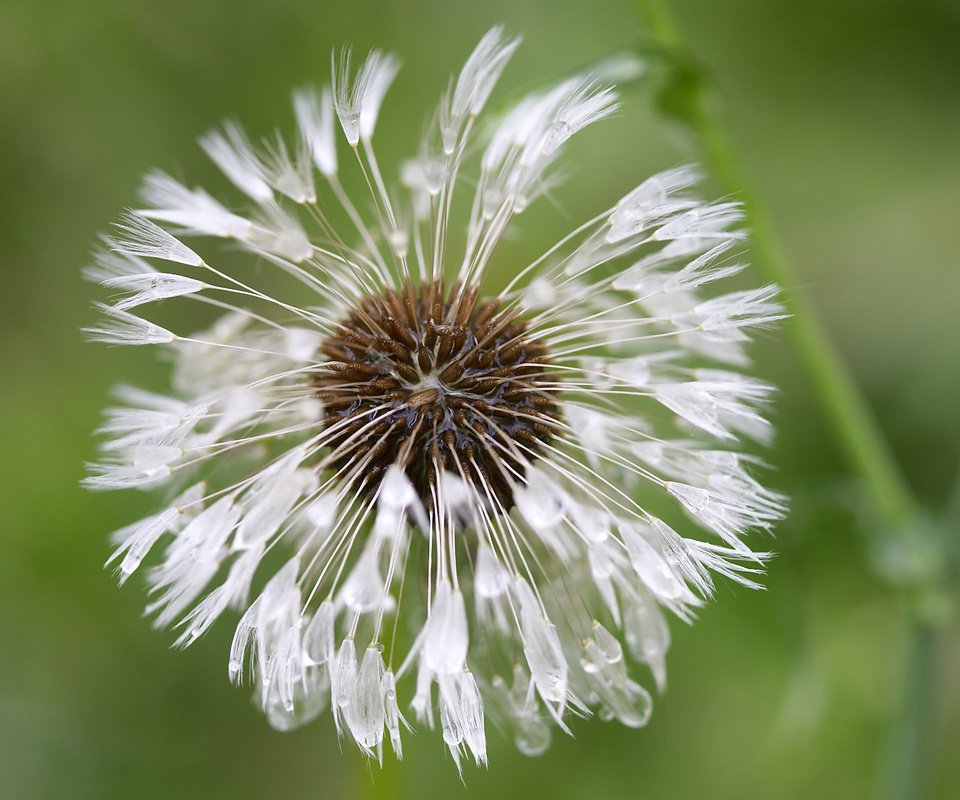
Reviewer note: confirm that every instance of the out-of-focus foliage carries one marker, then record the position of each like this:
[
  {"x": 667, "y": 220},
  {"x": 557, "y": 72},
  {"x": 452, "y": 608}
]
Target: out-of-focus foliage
[{"x": 847, "y": 114}]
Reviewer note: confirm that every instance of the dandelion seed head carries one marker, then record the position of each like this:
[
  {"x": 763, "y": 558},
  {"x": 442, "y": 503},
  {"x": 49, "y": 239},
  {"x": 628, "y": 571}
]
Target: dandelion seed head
[
  {"x": 438, "y": 382},
  {"x": 456, "y": 479}
]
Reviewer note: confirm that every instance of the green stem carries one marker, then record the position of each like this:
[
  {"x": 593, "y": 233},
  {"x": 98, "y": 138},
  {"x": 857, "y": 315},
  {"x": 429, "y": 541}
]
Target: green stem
[
  {"x": 912, "y": 756},
  {"x": 688, "y": 99}
]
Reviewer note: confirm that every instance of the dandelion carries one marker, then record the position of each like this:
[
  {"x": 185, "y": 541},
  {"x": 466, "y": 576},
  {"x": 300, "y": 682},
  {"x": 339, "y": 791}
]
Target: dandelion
[{"x": 427, "y": 499}]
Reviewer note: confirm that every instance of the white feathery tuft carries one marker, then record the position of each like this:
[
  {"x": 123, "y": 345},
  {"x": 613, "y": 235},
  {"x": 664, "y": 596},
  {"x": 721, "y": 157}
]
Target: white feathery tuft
[
  {"x": 315, "y": 117},
  {"x": 357, "y": 101},
  {"x": 122, "y": 327},
  {"x": 141, "y": 237},
  {"x": 191, "y": 210},
  {"x": 232, "y": 152}
]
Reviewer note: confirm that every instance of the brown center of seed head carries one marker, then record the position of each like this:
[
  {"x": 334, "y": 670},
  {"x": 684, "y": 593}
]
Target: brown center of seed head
[{"x": 435, "y": 381}]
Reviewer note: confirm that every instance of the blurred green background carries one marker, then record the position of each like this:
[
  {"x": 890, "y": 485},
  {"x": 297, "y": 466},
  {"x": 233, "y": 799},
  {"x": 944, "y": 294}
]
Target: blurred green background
[{"x": 847, "y": 116}]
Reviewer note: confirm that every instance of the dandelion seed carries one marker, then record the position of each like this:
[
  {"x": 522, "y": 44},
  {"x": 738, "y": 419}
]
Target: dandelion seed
[
  {"x": 456, "y": 477},
  {"x": 140, "y": 237}
]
